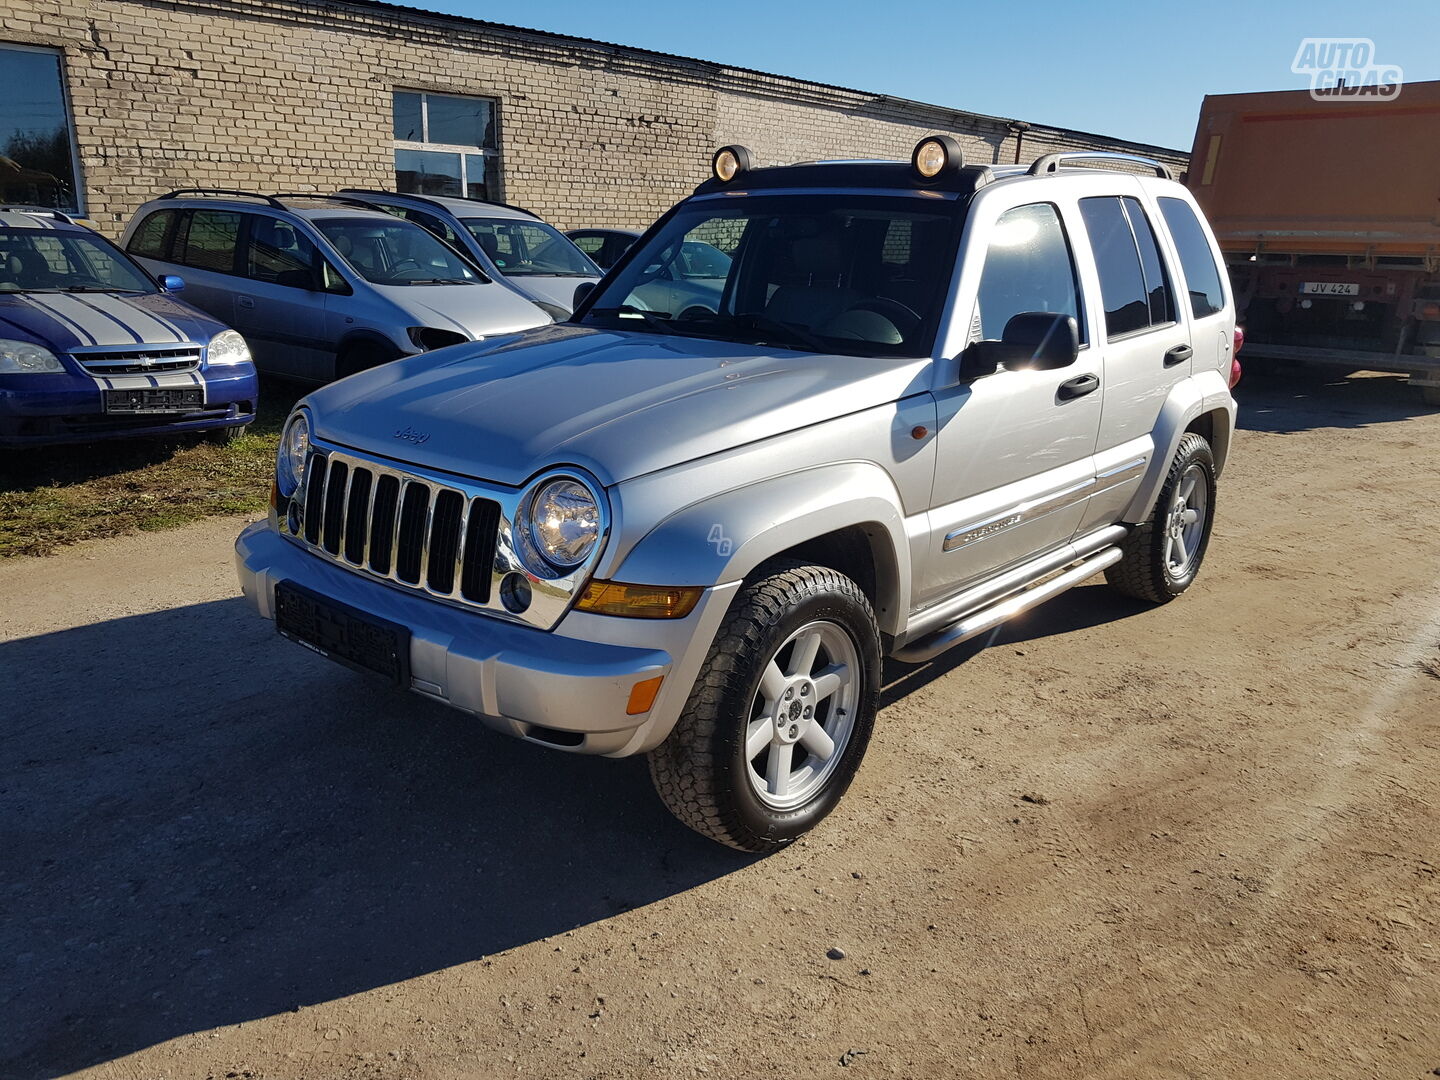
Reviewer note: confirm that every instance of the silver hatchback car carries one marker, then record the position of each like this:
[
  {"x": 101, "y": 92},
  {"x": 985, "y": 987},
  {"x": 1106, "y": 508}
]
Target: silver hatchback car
[{"x": 322, "y": 287}]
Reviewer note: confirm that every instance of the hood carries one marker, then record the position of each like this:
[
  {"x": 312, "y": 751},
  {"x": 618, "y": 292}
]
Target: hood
[
  {"x": 480, "y": 310},
  {"x": 553, "y": 289},
  {"x": 618, "y": 403},
  {"x": 65, "y": 321}
]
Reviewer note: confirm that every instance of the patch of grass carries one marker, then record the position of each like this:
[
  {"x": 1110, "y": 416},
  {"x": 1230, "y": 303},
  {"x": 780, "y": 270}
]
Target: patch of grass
[{"x": 53, "y": 496}]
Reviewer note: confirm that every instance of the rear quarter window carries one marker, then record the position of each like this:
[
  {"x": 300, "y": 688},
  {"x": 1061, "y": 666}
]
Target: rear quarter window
[
  {"x": 1197, "y": 261},
  {"x": 151, "y": 239},
  {"x": 210, "y": 241}
]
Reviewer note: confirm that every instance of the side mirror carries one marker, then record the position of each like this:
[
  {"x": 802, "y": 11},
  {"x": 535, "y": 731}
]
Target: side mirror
[
  {"x": 584, "y": 289},
  {"x": 172, "y": 283},
  {"x": 1032, "y": 341}
]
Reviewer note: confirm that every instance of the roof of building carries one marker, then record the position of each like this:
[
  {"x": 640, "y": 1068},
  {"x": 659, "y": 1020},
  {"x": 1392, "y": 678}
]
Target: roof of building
[{"x": 899, "y": 102}]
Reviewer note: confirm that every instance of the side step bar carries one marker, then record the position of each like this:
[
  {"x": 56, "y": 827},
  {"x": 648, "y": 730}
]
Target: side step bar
[{"x": 988, "y": 618}]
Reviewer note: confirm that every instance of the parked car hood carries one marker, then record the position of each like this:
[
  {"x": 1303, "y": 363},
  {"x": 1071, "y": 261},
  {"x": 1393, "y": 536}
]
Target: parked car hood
[
  {"x": 65, "y": 321},
  {"x": 553, "y": 289},
  {"x": 480, "y": 310},
  {"x": 618, "y": 403}
]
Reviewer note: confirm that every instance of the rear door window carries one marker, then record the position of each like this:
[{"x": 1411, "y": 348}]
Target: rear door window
[
  {"x": 1197, "y": 260},
  {"x": 152, "y": 239},
  {"x": 211, "y": 241},
  {"x": 1122, "y": 280},
  {"x": 1157, "y": 285}
]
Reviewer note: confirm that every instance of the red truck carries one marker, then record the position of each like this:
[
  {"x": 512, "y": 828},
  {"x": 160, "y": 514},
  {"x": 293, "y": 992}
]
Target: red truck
[{"x": 1328, "y": 212}]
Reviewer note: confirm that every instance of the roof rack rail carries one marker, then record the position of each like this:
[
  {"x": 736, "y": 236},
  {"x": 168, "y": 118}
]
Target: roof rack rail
[
  {"x": 322, "y": 197},
  {"x": 1051, "y": 163},
  {"x": 269, "y": 199},
  {"x": 25, "y": 208},
  {"x": 425, "y": 200}
]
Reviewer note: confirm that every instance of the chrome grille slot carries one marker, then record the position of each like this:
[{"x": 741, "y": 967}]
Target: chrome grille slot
[
  {"x": 445, "y": 523},
  {"x": 382, "y": 523},
  {"x": 334, "y": 506},
  {"x": 410, "y": 532},
  {"x": 478, "y": 556},
  {"x": 314, "y": 497},
  {"x": 357, "y": 514}
]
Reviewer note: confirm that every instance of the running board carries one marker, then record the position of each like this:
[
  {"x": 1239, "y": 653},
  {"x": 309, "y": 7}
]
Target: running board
[{"x": 987, "y": 619}]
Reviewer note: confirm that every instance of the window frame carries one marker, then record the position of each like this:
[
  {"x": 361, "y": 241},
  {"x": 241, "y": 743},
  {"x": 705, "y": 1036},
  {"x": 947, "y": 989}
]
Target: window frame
[
  {"x": 77, "y": 175},
  {"x": 490, "y": 154}
]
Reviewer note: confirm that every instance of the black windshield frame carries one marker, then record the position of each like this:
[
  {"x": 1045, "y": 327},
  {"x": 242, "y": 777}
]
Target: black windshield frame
[{"x": 606, "y": 306}]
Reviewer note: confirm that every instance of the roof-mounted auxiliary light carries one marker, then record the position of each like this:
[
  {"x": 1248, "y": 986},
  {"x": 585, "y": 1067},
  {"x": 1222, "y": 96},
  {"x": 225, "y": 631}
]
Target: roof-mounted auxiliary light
[
  {"x": 935, "y": 155},
  {"x": 729, "y": 162}
]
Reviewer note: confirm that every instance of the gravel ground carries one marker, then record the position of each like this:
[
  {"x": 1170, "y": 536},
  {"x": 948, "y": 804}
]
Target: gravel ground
[{"x": 1196, "y": 841}]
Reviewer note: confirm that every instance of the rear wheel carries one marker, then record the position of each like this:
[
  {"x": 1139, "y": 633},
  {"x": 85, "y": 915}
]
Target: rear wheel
[
  {"x": 1163, "y": 554},
  {"x": 781, "y": 712}
]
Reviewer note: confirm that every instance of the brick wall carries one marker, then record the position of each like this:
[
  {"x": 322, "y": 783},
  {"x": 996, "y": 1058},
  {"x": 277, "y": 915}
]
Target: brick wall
[{"x": 295, "y": 95}]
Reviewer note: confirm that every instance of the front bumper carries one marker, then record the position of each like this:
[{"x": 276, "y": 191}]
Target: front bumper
[
  {"x": 38, "y": 410},
  {"x": 567, "y": 688}
]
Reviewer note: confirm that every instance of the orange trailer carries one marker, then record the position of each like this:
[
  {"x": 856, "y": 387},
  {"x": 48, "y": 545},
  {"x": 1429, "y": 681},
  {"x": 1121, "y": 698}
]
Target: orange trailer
[{"x": 1328, "y": 212}]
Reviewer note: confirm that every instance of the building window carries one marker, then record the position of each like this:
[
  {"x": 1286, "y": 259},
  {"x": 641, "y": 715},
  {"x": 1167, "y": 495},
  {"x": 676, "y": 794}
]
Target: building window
[
  {"x": 446, "y": 145},
  {"x": 37, "y": 148}
]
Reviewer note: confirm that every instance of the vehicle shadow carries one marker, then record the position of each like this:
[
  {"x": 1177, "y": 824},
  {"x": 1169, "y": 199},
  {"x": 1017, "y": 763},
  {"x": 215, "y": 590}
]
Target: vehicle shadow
[
  {"x": 203, "y": 825},
  {"x": 1077, "y": 609},
  {"x": 1290, "y": 398}
]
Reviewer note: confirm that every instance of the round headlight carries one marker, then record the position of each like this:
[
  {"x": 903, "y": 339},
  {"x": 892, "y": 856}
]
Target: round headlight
[
  {"x": 935, "y": 155},
  {"x": 729, "y": 162},
  {"x": 226, "y": 348},
  {"x": 563, "y": 522},
  {"x": 291, "y": 454}
]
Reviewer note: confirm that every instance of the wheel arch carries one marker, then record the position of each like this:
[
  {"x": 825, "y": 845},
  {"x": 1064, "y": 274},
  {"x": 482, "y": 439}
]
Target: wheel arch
[{"x": 1202, "y": 404}]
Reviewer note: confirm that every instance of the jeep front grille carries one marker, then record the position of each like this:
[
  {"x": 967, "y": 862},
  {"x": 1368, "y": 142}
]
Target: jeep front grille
[
  {"x": 139, "y": 359},
  {"x": 410, "y": 530}
]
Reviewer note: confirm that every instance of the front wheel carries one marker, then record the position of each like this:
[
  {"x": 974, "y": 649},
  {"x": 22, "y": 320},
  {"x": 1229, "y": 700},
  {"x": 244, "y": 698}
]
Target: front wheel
[
  {"x": 1164, "y": 553},
  {"x": 226, "y": 435},
  {"x": 781, "y": 712}
]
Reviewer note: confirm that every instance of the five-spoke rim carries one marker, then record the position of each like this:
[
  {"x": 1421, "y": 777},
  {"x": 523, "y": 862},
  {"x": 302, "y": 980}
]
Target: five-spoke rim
[
  {"x": 1185, "y": 521},
  {"x": 802, "y": 715}
]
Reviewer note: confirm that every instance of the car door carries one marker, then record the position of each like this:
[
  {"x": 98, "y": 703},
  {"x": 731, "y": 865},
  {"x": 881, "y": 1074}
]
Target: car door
[
  {"x": 1147, "y": 344},
  {"x": 280, "y": 303},
  {"x": 205, "y": 249},
  {"x": 1014, "y": 448}
]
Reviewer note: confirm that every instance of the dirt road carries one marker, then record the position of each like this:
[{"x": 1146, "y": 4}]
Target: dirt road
[{"x": 1199, "y": 841}]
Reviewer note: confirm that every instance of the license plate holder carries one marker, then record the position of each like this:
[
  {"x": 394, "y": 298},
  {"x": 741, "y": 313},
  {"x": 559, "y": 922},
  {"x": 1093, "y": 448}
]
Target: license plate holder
[
  {"x": 179, "y": 399},
  {"x": 1329, "y": 288},
  {"x": 342, "y": 633}
]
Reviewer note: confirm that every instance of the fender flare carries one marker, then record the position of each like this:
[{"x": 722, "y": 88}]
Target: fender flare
[
  {"x": 723, "y": 538},
  {"x": 1189, "y": 399}
]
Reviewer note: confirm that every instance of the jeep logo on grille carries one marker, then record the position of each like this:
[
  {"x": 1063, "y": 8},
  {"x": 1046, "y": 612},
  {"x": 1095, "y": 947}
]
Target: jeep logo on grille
[{"x": 410, "y": 435}]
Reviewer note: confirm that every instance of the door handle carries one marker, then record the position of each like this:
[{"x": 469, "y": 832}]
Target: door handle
[
  {"x": 245, "y": 301},
  {"x": 1078, "y": 387},
  {"x": 1178, "y": 355}
]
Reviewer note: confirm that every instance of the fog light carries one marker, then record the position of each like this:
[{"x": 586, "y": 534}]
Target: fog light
[
  {"x": 936, "y": 154},
  {"x": 292, "y": 517},
  {"x": 515, "y": 593}
]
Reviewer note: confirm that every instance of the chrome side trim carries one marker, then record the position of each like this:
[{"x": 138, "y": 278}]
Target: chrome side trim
[{"x": 1013, "y": 580}]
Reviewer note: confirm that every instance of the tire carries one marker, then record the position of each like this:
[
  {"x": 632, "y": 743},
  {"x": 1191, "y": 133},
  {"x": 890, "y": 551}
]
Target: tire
[
  {"x": 702, "y": 771},
  {"x": 1152, "y": 569},
  {"x": 363, "y": 355},
  {"x": 226, "y": 435},
  {"x": 1430, "y": 395}
]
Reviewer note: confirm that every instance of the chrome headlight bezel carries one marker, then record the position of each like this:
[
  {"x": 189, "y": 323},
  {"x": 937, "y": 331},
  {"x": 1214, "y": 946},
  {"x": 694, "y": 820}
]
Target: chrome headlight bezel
[
  {"x": 541, "y": 558},
  {"x": 27, "y": 358},
  {"x": 227, "y": 349},
  {"x": 292, "y": 452}
]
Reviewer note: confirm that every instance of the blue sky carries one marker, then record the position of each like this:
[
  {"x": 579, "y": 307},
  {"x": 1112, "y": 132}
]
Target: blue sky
[{"x": 1135, "y": 71}]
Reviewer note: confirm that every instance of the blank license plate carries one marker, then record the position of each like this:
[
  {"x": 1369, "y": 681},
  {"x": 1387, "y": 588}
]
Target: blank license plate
[
  {"x": 1330, "y": 288},
  {"x": 154, "y": 401},
  {"x": 339, "y": 632}
]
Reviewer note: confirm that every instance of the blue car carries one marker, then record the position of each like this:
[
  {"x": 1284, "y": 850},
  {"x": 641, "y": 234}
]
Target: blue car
[{"x": 93, "y": 347}]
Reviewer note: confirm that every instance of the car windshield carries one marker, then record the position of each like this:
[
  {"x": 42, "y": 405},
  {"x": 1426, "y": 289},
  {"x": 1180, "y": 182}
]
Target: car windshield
[
  {"x": 857, "y": 274},
  {"x": 396, "y": 252},
  {"x": 45, "y": 260},
  {"x": 529, "y": 248}
]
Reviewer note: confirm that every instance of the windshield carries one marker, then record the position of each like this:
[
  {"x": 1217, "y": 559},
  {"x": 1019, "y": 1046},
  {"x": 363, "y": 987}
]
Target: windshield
[
  {"x": 521, "y": 248},
  {"x": 395, "y": 252},
  {"x": 41, "y": 260},
  {"x": 857, "y": 274}
]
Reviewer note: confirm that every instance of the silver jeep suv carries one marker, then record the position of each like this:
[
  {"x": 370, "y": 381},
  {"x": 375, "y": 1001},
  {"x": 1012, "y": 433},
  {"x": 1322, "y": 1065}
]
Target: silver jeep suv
[{"x": 933, "y": 395}]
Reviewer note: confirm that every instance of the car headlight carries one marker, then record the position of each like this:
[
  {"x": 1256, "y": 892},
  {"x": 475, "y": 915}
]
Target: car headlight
[
  {"x": 290, "y": 456},
  {"x": 560, "y": 522},
  {"x": 23, "y": 358},
  {"x": 432, "y": 337},
  {"x": 227, "y": 347},
  {"x": 555, "y": 311}
]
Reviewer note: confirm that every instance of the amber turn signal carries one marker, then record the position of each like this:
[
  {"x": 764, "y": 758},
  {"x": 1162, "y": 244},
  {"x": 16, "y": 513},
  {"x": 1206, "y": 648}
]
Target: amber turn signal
[
  {"x": 638, "y": 601},
  {"x": 642, "y": 695}
]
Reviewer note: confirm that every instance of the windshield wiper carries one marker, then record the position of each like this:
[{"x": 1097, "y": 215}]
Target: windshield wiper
[
  {"x": 439, "y": 281},
  {"x": 98, "y": 289},
  {"x": 650, "y": 318}
]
